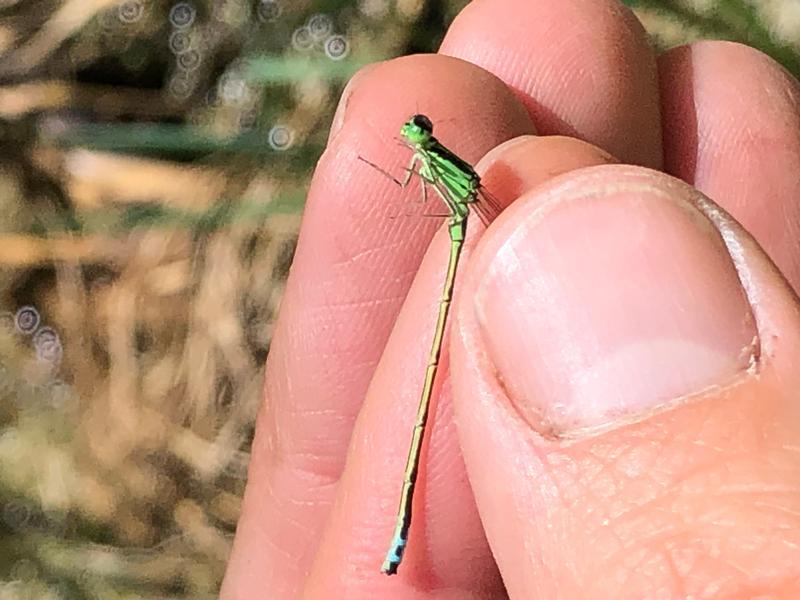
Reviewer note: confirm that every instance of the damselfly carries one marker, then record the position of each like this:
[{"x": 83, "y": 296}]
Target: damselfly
[{"x": 459, "y": 186}]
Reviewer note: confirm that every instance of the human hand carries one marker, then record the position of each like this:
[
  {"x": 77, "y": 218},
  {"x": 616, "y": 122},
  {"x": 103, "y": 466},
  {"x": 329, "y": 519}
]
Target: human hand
[{"x": 618, "y": 415}]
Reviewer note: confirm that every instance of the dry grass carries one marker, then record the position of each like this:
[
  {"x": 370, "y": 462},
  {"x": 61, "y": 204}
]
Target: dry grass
[{"x": 138, "y": 436}]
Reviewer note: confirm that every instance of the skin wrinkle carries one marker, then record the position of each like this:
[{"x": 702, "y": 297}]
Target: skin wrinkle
[
  {"x": 307, "y": 503},
  {"x": 656, "y": 538},
  {"x": 319, "y": 446},
  {"x": 315, "y": 412},
  {"x": 733, "y": 493},
  {"x": 637, "y": 560},
  {"x": 564, "y": 561},
  {"x": 644, "y": 508},
  {"x": 271, "y": 543},
  {"x": 641, "y": 508},
  {"x": 368, "y": 303},
  {"x": 367, "y": 254},
  {"x": 286, "y": 519},
  {"x": 603, "y": 525},
  {"x": 280, "y": 446},
  {"x": 309, "y": 470},
  {"x": 678, "y": 585},
  {"x": 637, "y": 461}
]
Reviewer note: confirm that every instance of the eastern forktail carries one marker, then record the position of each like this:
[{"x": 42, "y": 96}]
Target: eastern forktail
[{"x": 459, "y": 187}]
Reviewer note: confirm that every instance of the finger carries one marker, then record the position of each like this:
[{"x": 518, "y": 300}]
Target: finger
[
  {"x": 583, "y": 68},
  {"x": 624, "y": 374},
  {"x": 732, "y": 129},
  {"x": 447, "y": 555},
  {"x": 351, "y": 271}
]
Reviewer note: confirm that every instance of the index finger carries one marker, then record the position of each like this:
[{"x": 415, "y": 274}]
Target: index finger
[{"x": 351, "y": 272}]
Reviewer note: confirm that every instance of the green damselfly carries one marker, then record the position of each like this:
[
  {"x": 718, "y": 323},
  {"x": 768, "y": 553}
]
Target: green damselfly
[{"x": 459, "y": 186}]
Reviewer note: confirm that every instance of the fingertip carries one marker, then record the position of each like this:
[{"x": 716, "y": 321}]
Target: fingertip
[
  {"x": 732, "y": 129},
  {"x": 583, "y": 68},
  {"x": 341, "y": 108},
  {"x": 520, "y": 164},
  {"x": 467, "y": 104}
]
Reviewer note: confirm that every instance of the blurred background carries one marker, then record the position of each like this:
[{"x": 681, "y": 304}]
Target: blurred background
[{"x": 154, "y": 157}]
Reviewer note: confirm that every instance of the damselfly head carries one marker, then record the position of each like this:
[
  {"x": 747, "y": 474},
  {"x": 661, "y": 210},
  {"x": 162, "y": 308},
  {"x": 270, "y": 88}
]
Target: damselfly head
[{"x": 417, "y": 130}]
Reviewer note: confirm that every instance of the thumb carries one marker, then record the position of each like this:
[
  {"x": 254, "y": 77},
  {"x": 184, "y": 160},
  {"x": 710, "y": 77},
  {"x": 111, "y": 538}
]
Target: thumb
[{"x": 623, "y": 366}]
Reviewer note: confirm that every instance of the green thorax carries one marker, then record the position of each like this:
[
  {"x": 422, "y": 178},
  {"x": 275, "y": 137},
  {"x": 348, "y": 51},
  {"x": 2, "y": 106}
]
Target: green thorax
[{"x": 456, "y": 174}]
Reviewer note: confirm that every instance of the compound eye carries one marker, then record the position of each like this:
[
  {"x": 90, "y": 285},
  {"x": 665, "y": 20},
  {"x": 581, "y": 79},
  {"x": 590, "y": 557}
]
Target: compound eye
[{"x": 423, "y": 122}]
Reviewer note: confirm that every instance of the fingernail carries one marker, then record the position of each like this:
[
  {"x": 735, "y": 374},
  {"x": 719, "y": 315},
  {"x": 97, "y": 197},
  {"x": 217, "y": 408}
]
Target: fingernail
[
  {"x": 341, "y": 109},
  {"x": 610, "y": 302}
]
